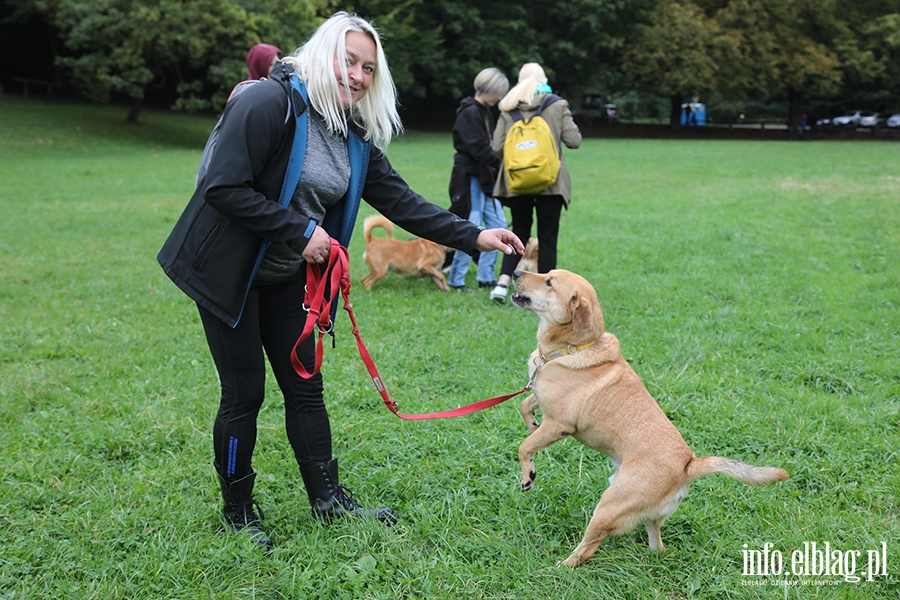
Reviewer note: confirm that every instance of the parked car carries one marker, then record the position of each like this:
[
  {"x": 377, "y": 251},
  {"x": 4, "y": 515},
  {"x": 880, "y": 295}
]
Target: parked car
[
  {"x": 870, "y": 119},
  {"x": 595, "y": 110},
  {"x": 844, "y": 120},
  {"x": 893, "y": 121}
]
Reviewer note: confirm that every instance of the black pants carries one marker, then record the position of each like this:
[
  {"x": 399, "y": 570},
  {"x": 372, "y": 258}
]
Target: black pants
[
  {"x": 273, "y": 320},
  {"x": 548, "y": 210}
]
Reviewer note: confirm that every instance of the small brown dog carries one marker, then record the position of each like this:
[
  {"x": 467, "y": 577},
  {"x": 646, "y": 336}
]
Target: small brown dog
[
  {"x": 529, "y": 260},
  {"x": 585, "y": 389},
  {"x": 415, "y": 258}
]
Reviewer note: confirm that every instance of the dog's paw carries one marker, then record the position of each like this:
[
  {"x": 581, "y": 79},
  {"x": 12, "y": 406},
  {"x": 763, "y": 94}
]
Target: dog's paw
[
  {"x": 528, "y": 483},
  {"x": 572, "y": 562}
]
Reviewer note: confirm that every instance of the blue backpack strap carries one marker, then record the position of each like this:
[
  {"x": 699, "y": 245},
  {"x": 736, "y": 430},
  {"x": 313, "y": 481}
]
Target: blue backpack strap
[
  {"x": 298, "y": 149},
  {"x": 298, "y": 101}
]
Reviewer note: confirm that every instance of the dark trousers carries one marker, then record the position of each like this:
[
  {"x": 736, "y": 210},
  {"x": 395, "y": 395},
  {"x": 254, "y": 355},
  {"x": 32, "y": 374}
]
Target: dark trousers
[
  {"x": 272, "y": 321},
  {"x": 548, "y": 210}
]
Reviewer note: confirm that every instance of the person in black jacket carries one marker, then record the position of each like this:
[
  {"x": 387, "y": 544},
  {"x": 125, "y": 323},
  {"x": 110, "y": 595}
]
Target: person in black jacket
[
  {"x": 241, "y": 255},
  {"x": 475, "y": 167}
]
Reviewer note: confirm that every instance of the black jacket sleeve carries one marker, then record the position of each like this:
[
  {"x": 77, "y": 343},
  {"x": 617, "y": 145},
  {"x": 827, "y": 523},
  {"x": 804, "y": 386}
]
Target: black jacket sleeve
[{"x": 389, "y": 194}]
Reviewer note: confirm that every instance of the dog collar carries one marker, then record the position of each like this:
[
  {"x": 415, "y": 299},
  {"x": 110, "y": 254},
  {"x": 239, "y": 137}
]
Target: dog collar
[{"x": 570, "y": 349}]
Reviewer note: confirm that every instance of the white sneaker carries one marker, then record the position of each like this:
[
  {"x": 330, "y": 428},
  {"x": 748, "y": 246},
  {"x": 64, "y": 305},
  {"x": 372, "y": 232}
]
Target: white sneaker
[{"x": 498, "y": 294}]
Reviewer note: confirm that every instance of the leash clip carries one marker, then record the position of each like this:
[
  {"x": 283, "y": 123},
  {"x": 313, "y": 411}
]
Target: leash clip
[{"x": 531, "y": 380}]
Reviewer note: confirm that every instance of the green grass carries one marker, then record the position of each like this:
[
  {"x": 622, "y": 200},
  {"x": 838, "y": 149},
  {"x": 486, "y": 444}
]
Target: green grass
[{"x": 753, "y": 286}]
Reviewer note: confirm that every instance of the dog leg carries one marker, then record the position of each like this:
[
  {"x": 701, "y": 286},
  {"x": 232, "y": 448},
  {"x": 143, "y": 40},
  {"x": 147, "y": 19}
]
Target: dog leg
[
  {"x": 376, "y": 272},
  {"x": 437, "y": 277},
  {"x": 603, "y": 524},
  {"x": 547, "y": 434},
  {"x": 653, "y": 535},
  {"x": 618, "y": 511},
  {"x": 527, "y": 409}
]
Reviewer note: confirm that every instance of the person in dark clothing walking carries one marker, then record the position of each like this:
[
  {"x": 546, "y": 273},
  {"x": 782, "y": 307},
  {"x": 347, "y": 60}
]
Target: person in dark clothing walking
[
  {"x": 475, "y": 168},
  {"x": 241, "y": 255}
]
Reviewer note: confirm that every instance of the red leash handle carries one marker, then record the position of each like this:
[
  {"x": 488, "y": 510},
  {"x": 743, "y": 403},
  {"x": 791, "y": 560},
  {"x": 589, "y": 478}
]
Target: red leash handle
[
  {"x": 337, "y": 277},
  {"x": 317, "y": 306}
]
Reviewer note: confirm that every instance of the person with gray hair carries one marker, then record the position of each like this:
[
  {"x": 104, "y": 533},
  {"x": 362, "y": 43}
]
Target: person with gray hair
[
  {"x": 242, "y": 255},
  {"x": 526, "y": 97},
  {"x": 475, "y": 168}
]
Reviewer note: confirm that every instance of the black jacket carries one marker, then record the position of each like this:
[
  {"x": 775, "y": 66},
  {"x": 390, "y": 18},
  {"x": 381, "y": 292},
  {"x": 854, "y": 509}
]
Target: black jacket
[
  {"x": 211, "y": 254},
  {"x": 474, "y": 156}
]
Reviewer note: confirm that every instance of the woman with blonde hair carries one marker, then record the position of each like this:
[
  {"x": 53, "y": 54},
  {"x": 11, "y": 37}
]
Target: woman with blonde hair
[
  {"x": 526, "y": 97},
  {"x": 240, "y": 254}
]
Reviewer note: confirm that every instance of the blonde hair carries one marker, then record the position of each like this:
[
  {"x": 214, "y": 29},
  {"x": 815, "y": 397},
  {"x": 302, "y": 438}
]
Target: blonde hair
[
  {"x": 530, "y": 76},
  {"x": 491, "y": 81},
  {"x": 376, "y": 113}
]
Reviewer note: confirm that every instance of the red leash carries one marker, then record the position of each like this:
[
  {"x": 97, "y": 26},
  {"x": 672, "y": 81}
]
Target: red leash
[{"x": 320, "y": 294}]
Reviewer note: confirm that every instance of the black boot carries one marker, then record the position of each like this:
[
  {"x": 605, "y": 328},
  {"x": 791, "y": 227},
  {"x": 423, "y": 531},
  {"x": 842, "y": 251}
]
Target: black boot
[
  {"x": 329, "y": 499},
  {"x": 239, "y": 513}
]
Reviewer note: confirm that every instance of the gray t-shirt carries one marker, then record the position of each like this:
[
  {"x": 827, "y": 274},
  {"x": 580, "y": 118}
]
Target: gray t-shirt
[{"x": 323, "y": 181}]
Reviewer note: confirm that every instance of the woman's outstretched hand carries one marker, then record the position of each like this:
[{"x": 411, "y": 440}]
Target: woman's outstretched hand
[{"x": 499, "y": 239}]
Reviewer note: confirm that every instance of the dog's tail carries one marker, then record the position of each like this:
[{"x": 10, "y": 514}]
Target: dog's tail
[
  {"x": 707, "y": 465},
  {"x": 377, "y": 221}
]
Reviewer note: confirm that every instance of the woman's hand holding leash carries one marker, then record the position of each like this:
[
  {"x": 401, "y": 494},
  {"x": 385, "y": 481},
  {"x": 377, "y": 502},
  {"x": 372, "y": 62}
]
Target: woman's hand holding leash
[
  {"x": 318, "y": 247},
  {"x": 499, "y": 239}
]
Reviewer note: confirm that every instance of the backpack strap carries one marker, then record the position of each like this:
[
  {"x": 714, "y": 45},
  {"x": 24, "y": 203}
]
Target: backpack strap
[
  {"x": 299, "y": 100},
  {"x": 550, "y": 99}
]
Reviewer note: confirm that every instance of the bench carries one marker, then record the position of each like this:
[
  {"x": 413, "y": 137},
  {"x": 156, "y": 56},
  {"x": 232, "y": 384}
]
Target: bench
[{"x": 26, "y": 82}]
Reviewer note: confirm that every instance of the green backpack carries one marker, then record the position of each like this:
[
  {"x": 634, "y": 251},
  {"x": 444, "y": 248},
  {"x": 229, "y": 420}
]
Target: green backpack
[{"x": 530, "y": 152}]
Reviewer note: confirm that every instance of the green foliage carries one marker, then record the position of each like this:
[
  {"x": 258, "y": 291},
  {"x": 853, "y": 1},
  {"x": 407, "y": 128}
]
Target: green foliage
[
  {"x": 778, "y": 47},
  {"x": 874, "y": 61},
  {"x": 673, "y": 55},
  {"x": 196, "y": 49},
  {"x": 732, "y": 50},
  {"x": 191, "y": 53},
  {"x": 753, "y": 286},
  {"x": 436, "y": 48}
]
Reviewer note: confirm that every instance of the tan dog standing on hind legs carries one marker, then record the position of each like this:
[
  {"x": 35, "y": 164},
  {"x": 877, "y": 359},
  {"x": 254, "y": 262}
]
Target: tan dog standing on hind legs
[
  {"x": 415, "y": 258},
  {"x": 584, "y": 388}
]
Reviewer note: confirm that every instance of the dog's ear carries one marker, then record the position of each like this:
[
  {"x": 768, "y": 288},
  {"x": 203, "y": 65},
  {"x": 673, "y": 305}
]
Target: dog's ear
[{"x": 581, "y": 312}]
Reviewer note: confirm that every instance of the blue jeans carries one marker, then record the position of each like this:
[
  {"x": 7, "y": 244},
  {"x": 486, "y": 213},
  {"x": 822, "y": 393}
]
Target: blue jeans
[{"x": 488, "y": 211}]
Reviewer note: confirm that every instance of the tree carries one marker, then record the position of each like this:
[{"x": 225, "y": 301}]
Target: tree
[
  {"x": 192, "y": 49},
  {"x": 436, "y": 47},
  {"x": 581, "y": 42},
  {"x": 674, "y": 55},
  {"x": 869, "y": 47},
  {"x": 779, "y": 47}
]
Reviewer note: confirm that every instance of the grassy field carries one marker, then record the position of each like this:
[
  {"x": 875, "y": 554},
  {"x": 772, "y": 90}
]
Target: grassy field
[{"x": 753, "y": 286}]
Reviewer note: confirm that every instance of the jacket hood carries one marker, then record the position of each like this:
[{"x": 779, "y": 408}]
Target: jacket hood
[
  {"x": 466, "y": 103},
  {"x": 534, "y": 104}
]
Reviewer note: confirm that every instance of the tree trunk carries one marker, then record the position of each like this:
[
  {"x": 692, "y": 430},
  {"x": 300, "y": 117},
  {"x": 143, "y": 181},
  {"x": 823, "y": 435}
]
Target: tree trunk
[
  {"x": 136, "y": 105},
  {"x": 675, "y": 112},
  {"x": 793, "y": 114}
]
